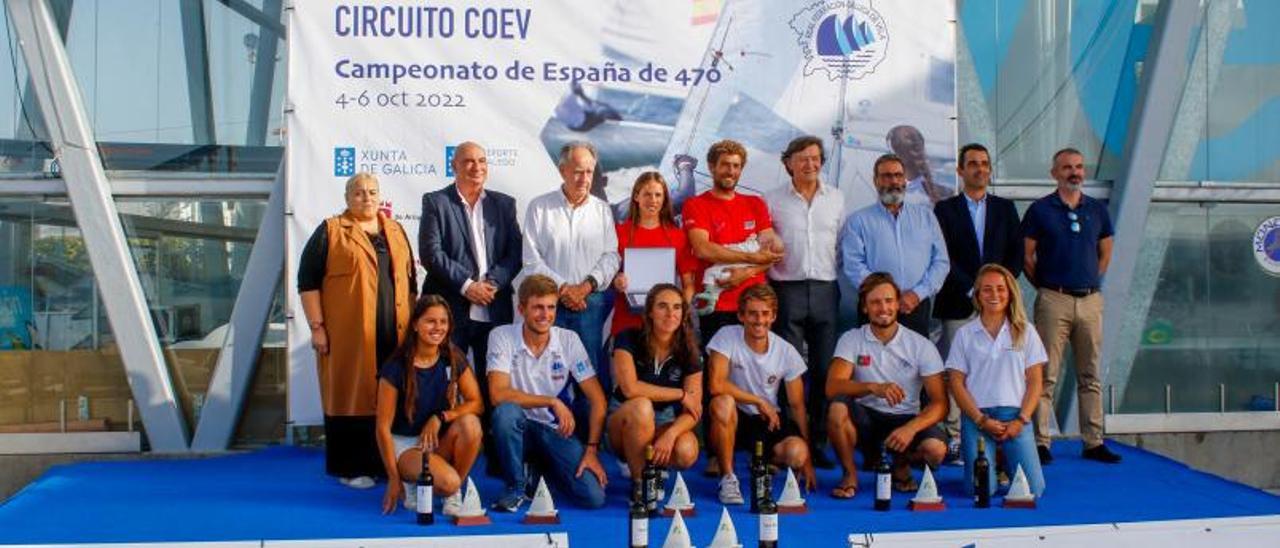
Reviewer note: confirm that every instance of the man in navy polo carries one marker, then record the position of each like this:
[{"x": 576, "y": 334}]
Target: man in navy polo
[{"x": 1067, "y": 238}]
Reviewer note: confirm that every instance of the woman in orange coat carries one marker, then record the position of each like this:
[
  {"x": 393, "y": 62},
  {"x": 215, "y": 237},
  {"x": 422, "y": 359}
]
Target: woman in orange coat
[{"x": 357, "y": 282}]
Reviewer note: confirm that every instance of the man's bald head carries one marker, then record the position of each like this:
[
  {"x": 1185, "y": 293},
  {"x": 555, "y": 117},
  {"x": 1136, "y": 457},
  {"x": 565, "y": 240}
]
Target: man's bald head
[{"x": 470, "y": 166}]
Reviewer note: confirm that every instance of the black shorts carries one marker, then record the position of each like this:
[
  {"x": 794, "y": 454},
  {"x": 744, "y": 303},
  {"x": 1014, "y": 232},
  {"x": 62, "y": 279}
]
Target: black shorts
[
  {"x": 753, "y": 428},
  {"x": 873, "y": 427}
]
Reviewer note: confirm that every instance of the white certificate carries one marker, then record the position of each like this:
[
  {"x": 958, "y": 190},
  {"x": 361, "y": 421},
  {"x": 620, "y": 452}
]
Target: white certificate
[{"x": 646, "y": 267}]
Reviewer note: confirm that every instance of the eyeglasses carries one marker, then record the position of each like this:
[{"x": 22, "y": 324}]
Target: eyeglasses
[{"x": 1075, "y": 221}]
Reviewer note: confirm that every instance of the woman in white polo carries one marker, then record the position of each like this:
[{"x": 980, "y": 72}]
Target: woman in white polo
[{"x": 996, "y": 363}]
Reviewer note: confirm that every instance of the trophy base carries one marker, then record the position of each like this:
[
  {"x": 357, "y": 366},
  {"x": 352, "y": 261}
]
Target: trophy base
[
  {"x": 937, "y": 506},
  {"x": 1026, "y": 504},
  {"x": 685, "y": 512},
  {"x": 553, "y": 519},
  {"x": 470, "y": 521},
  {"x": 802, "y": 508}
]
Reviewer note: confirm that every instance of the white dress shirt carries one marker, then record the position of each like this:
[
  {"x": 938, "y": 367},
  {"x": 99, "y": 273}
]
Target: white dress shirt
[
  {"x": 570, "y": 243},
  {"x": 809, "y": 231},
  {"x": 475, "y": 222}
]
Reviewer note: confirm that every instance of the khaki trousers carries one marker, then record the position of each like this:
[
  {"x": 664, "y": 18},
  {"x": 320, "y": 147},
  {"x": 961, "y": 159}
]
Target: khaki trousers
[{"x": 1060, "y": 318}]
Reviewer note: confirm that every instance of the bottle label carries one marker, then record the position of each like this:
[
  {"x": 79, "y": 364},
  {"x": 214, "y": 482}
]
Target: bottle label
[
  {"x": 769, "y": 527},
  {"x": 639, "y": 532},
  {"x": 424, "y": 499},
  {"x": 651, "y": 493},
  {"x": 883, "y": 484}
]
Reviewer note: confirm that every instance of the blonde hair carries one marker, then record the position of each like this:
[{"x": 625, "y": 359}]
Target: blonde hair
[
  {"x": 359, "y": 178},
  {"x": 1014, "y": 313}
]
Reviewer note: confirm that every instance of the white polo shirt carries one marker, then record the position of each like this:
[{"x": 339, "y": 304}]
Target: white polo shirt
[
  {"x": 995, "y": 371},
  {"x": 545, "y": 375},
  {"x": 905, "y": 361},
  {"x": 758, "y": 374}
]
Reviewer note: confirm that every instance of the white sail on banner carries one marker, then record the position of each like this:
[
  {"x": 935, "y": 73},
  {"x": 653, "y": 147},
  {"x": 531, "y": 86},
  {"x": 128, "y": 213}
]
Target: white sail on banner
[{"x": 390, "y": 86}]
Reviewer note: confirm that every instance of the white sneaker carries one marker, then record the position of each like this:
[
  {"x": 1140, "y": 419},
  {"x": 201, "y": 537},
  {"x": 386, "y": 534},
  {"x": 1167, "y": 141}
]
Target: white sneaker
[
  {"x": 452, "y": 504},
  {"x": 730, "y": 493},
  {"x": 626, "y": 470},
  {"x": 410, "y": 496},
  {"x": 360, "y": 482}
]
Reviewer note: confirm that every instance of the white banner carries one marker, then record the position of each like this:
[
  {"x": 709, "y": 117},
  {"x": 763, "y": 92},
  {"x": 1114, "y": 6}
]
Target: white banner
[{"x": 389, "y": 86}]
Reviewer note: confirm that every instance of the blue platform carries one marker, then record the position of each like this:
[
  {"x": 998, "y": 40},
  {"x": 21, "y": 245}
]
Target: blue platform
[{"x": 281, "y": 493}]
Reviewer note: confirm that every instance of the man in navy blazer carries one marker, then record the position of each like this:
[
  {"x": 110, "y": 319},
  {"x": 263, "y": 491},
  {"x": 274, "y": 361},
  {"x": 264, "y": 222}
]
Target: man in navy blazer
[
  {"x": 979, "y": 228},
  {"x": 470, "y": 245}
]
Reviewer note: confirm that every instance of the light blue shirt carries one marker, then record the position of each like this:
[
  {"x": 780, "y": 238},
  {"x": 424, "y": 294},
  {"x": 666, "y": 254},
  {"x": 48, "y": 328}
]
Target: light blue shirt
[
  {"x": 909, "y": 247},
  {"x": 978, "y": 214}
]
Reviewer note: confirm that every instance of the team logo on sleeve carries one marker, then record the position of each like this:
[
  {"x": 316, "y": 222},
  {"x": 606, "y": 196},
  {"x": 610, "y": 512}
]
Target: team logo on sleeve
[
  {"x": 863, "y": 360},
  {"x": 581, "y": 368}
]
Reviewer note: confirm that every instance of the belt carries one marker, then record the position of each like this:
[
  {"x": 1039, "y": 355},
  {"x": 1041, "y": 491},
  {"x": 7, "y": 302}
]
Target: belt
[{"x": 1081, "y": 292}]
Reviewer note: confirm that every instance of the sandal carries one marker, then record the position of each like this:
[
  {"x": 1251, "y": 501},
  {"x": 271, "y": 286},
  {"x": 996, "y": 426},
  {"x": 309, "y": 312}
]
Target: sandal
[
  {"x": 905, "y": 485},
  {"x": 845, "y": 490}
]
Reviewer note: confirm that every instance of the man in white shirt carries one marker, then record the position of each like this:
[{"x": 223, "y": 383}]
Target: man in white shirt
[
  {"x": 569, "y": 237},
  {"x": 807, "y": 216},
  {"x": 749, "y": 366},
  {"x": 530, "y": 365},
  {"x": 874, "y": 385}
]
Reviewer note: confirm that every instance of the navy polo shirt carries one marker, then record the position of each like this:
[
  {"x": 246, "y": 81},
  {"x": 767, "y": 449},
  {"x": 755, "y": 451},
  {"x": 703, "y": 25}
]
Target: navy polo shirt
[{"x": 1067, "y": 258}]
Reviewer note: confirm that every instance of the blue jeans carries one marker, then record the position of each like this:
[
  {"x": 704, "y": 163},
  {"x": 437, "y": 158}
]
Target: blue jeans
[
  {"x": 589, "y": 325},
  {"x": 1017, "y": 451},
  {"x": 515, "y": 436}
]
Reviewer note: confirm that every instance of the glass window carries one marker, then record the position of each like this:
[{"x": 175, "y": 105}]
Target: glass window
[
  {"x": 1229, "y": 119},
  {"x": 58, "y": 357},
  {"x": 191, "y": 256},
  {"x": 1207, "y": 314},
  {"x": 1036, "y": 76},
  {"x": 171, "y": 86},
  {"x": 24, "y": 146}
]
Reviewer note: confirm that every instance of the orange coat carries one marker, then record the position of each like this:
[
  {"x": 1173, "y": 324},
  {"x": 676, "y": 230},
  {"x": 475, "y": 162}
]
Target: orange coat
[{"x": 349, "y": 298}]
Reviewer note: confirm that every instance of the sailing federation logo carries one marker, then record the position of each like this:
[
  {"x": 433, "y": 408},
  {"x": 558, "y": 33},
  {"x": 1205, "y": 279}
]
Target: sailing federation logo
[
  {"x": 846, "y": 39},
  {"x": 1266, "y": 245}
]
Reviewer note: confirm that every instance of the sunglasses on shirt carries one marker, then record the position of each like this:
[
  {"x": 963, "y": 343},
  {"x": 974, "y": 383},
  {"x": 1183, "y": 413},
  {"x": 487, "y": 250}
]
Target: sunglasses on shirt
[{"x": 1075, "y": 221}]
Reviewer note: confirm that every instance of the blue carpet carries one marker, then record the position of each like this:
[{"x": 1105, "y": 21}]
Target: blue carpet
[{"x": 282, "y": 493}]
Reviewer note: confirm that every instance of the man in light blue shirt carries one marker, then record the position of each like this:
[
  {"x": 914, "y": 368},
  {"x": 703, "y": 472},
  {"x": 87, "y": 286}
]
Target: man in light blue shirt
[{"x": 901, "y": 239}]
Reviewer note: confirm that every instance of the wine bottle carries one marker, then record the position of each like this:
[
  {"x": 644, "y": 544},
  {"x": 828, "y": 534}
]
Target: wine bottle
[
  {"x": 426, "y": 484},
  {"x": 649, "y": 477},
  {"x": 639, "y": 530},
  {"x": 761, "y": 486},
  {"x": 982, "y": 476},
  {"x": 884, "y": 483},
  {"x": 768, "y": 521}
]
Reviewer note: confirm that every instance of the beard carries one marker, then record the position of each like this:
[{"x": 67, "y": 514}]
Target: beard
[{"x": 892, "y": 197}]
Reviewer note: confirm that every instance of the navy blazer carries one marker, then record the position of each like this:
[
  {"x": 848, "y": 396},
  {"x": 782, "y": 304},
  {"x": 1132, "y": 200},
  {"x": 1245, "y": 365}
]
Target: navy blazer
[
  {"x": 445, "y": 245},
  {"x": 1002, "y": 243}
]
